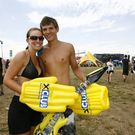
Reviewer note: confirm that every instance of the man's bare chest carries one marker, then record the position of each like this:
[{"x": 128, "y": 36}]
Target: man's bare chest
[{"x": 55, "y": 57}]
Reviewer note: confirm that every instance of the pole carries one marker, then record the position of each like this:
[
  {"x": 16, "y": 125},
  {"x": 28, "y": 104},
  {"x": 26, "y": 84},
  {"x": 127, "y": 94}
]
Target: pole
[
  {"x": 1, "y": 48},
  {"x": 79, "y": 53}
]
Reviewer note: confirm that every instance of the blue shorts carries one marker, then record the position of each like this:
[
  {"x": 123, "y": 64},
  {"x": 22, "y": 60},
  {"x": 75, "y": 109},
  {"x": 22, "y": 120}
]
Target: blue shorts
[{"x": 21, "y": 117}]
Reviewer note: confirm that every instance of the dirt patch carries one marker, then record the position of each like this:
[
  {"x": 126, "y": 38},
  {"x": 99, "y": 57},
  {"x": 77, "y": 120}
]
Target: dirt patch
[{"x": 119, "y": 119}]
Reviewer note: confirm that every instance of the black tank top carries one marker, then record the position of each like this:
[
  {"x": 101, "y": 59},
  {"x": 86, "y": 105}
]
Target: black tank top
[{"x": 30, "y": 71}]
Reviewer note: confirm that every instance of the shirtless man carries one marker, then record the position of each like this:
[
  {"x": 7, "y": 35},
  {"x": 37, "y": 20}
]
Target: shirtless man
[{"x": 57, "y": 57}]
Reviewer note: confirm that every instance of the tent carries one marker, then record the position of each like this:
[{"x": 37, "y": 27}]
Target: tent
[
  {"x": 88, "y": 57},
  {"x": 116, "y": 61}
]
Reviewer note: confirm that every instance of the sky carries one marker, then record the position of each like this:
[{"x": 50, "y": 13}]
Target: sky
[{"x": 97, "y": 26}]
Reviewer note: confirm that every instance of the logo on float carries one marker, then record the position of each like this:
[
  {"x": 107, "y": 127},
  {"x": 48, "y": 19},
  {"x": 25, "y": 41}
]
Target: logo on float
[
  {"x": 44, "y": 99},
  {"x": 84, "y": 99}
]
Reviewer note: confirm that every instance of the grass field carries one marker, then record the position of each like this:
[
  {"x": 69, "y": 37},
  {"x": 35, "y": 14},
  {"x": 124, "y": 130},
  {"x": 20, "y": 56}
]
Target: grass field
[{"x": 119, "y": 119}]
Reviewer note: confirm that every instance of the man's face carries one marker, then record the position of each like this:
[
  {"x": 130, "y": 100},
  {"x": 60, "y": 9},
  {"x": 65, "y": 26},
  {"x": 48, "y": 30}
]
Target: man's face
[{"x": 50, "y": 32}]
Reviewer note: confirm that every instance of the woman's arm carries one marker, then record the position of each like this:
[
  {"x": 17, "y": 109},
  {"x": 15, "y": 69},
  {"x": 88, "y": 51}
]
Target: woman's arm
[{"x": 15, "y": 66}]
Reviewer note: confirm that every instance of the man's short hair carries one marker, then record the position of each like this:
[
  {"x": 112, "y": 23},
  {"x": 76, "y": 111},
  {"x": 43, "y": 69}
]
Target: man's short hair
[
  {"x": 47, "y": 20},
  {"x": 125, "y": 56}
]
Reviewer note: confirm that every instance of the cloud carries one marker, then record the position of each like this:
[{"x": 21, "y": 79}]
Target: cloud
[
  {"x": 12, "y": 45},
  {"x": 100, "y": 26},
  {"x": 117, "y": 29},
  {"x": 88, "y": 15},
  {"x": 78, "y": 13},
  {"x": 13, "y": 17},
  {"x": 35, "y": 17},
  {"x": 113, "y": 7},
  {"x": 105, "y": 47}
]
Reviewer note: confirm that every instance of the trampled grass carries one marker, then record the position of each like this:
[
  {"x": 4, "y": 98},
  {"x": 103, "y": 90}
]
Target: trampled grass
[{"x": 119, "y": 119}]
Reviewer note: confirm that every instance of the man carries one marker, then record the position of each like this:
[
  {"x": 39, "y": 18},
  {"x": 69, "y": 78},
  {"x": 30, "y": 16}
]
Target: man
[
  {"x": 2, "y": 73},
  {"x": 126, "y": 67},
  {"x": 7, "y": 64},
  {"x": 57, "y": 57}
]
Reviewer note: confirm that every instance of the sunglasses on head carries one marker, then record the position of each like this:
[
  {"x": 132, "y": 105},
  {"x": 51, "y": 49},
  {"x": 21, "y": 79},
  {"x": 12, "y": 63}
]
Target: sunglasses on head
[{"x": 41, "y": 38}]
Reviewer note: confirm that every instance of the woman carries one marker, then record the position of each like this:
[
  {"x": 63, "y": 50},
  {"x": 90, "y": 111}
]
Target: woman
[
  {"x": 26, "y": 66},
  {"x": 110, "y": 70}
]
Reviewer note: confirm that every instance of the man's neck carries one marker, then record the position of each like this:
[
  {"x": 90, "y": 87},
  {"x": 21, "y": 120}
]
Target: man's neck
[{"x": 53, "y": 43}]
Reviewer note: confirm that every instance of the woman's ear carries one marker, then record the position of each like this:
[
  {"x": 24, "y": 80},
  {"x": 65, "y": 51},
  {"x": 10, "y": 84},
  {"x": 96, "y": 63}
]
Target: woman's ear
[{"x": 27, "y": 40}]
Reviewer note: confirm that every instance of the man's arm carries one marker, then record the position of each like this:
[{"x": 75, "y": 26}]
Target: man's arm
[
  {"x": 133, "y": 65},
  {"x": 77, "y": 71},
  {"x": 129, "y": 65}
]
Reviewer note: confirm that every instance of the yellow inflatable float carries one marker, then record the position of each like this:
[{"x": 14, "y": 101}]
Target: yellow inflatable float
[
  {"x": 42, "y": 94},
  {"x": 50, "y": 97}
]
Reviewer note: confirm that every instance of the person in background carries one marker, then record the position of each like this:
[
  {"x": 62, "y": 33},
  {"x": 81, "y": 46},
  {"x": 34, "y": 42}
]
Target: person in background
[
  {"x": 126, "y": 67},
  {"x": 7, "y": 63},
  {"x": 110, "y": 70},
  {"x": 22, "y": 120},
  {"x": 132, "y": 68},
  {"x": 57, "y": 57},
  {"x": 2, "y": 73}
]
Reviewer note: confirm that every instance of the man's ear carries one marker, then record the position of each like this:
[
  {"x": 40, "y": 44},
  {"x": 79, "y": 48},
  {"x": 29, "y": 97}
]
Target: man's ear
[{"x": 57, "y": 29}]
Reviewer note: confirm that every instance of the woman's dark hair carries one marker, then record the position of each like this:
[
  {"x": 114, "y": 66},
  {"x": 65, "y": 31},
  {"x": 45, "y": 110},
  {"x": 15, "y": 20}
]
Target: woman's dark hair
[
  {"x": 109, "y": 59},
  {"x": 26, "y": 47},
  {"x": 32, "y": 29}
]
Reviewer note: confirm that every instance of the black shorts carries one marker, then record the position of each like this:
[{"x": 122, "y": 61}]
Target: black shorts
[
  {"x": 21, "y": 117},
  {"x": 125, "y": 71},
  {"x": 108, "y": 72},
  {"x": 1, "y": 78}
]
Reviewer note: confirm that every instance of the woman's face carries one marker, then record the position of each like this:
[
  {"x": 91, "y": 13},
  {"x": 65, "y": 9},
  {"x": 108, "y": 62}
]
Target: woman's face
[{"x": 35, "y": 40}]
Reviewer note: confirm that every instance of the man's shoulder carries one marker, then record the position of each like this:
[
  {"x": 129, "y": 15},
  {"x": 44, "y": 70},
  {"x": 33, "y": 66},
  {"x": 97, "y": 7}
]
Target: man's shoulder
[
  {"x": 65, "y": 43},
  {"x": 125, "y": 60}
]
